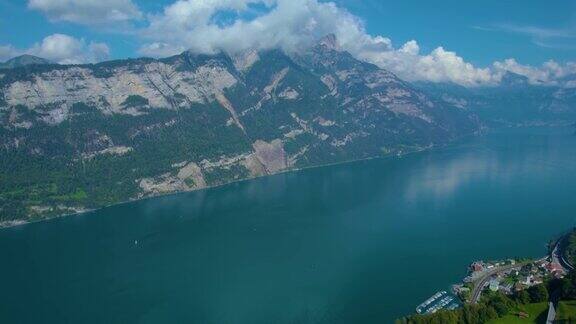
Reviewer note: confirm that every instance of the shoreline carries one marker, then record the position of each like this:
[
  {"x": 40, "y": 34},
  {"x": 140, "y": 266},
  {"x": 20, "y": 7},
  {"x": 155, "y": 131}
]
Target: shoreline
[
  {"x": 493, "y": 274},
  {"x": 21, "y": 222},
  {"x": 431, "y": 148}
]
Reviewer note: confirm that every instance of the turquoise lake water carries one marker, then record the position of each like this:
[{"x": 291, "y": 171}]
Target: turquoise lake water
[{"x": 364, "y": 242}]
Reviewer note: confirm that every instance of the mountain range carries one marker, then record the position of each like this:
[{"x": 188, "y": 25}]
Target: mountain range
[
  {"x": 79, "y": 137},
  {"x": 514, "y": 102}
]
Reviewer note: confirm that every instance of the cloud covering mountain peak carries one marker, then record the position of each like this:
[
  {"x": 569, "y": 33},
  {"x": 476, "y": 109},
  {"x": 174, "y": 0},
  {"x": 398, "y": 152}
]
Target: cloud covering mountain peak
[
  {"x": 293, "y": 25},
  {"x": 235, "y": 26}
]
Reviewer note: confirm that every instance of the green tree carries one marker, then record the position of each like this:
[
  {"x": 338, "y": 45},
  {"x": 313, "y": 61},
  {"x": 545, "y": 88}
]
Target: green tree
[
  {"x": 522, "y": 297},
  {"x": 501, "y": 303},
  {"x": 538, "y": 293}
]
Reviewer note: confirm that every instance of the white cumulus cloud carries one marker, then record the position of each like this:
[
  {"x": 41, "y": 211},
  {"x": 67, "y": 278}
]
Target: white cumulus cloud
[
  {"x": 291, "y": 25},
  {"x": 288, "y": 24},
  {"x": 160, "y": 49},
  {"x": 87, "y": 12},
  {"x": 7, "y": 52},
  {"x": 549, "y": 73},
  {"x": 62, "y": 49},
  {"x": 439, "y": 65},
  {"x": 296, "y": 24}
]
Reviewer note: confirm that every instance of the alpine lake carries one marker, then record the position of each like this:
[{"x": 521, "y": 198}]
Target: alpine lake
[{"x": 363, "y": 242}]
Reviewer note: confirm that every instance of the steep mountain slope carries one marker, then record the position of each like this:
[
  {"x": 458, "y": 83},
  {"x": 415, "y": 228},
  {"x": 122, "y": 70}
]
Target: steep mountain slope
[
  {"x": 81, "y": 137},
  {"x": 23, "y": 60}
]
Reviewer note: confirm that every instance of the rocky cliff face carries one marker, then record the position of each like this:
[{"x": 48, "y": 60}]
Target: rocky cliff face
[
  {"x": 78, "y": 137},
  {"x": 109, "y": 87}
]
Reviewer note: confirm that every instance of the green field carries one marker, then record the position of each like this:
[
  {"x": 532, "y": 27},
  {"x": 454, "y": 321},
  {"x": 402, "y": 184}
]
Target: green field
[
  {"x": 566, "y": 311},
  {"x": 537, "y": 314}
]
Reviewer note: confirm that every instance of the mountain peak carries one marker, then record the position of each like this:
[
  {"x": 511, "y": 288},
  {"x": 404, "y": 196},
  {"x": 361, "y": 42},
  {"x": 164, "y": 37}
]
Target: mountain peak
[
  {"x": 329, "y": 42},
  {"x": 511, "y": 79},
  {"x": 23, "y": 60}
]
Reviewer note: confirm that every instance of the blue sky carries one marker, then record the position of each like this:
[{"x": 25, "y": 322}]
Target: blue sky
[
  {"x": 479, "y": 32},
  {"x": 463, "y": 26}
]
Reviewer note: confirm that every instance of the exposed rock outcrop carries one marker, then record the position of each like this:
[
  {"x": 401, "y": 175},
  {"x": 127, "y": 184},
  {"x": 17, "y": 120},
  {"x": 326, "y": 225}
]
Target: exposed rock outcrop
[{"x": 271, "y": 155}]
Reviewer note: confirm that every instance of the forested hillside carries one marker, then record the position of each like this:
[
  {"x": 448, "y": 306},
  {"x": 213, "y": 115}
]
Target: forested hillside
[{"x": 81, "y": 137}]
